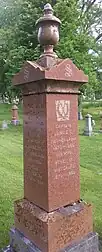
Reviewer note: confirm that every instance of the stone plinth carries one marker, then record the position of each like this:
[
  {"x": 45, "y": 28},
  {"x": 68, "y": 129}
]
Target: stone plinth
[
  {"x": 55, "y": 230},
  {"x": 19, "y": 243}
]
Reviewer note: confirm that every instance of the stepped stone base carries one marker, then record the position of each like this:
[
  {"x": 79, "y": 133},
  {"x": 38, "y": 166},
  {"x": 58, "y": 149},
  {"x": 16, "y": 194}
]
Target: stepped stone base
[
  {"x": 19, "y": 243},
  {"x": 53, "y": 231}
]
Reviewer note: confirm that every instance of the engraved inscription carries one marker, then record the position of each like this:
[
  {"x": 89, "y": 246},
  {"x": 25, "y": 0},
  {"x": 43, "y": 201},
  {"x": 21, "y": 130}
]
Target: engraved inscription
[
  {"x": 63, "y": 146},
  {"x": 62, "y": 110},
  {"x": 68, "y": 71},
  {"x": 36, "y": 160},
  {"x": 35, "y": 157}
]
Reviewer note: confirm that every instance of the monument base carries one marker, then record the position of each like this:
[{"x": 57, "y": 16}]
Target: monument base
[
  {"x": 15, "y": 122},
  {"x": 54, "y": 230},
  {"x": 19, "y": 243},
  {"x": 88, "y": 133}
]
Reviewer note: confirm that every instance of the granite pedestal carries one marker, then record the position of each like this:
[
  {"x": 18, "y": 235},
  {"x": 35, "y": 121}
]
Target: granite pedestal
[
  {"x": 19, "y": 243},
  {"x": 55, "y": 230}
]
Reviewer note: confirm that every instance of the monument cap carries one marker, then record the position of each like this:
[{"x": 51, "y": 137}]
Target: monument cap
[
  {"x": 48, "y": 30},
  {"x": 48, "y": 15},
  {"x": 88, "y": 115}
]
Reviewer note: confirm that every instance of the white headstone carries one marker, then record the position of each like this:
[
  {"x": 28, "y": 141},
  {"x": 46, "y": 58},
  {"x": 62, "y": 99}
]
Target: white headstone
[
  {"x": 93, "y": 123},
  {"x": 4, "y": 125}
]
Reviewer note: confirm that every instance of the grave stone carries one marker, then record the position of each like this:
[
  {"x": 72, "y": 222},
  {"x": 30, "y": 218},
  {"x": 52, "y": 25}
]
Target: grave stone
[
  {"x": 51, "y": 216},
  {"x": 80, "y": 117},
  {"x": 1, "y": 100},
  {"x": 4, "y": 125},
  {"x": 101, "y": 122},
  {"x": 15, "y": 119},
  {"x": 88, "y": 125},
  {"x": 93, "y": 123}
]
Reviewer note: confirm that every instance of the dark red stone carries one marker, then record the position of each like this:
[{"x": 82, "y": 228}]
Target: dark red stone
[
  {"x": 51, "y": 153},
  {"x": 53, "y": 231},
  {"x": 61, "y": 70}
]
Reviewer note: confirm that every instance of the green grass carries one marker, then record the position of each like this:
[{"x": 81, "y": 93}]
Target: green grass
[
  {"x": 11, "y": 170},
  {"x": 91, "y": 175},
  {"x": 90, "y": 104}
]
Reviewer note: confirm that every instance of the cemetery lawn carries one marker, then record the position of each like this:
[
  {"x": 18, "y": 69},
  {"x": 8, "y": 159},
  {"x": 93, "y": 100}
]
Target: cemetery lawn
[{"x": 11, "y": 170}]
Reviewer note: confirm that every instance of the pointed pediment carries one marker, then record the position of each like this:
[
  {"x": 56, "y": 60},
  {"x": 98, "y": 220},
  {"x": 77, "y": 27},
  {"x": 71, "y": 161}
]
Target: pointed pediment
[
  {"x": 66, "y": 70},
  {"x": 30, "y": 72},
  {"x": 61, "y": 70}
]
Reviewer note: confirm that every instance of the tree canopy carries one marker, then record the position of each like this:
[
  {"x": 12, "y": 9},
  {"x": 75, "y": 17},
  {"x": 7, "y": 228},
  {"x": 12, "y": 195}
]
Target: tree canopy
[{"x": 80, "y": 37}]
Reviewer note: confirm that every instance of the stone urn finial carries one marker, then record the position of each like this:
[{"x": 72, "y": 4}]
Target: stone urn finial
[
  {"x": 48, "y": 9},
  {"x": 48, "y": 30}
]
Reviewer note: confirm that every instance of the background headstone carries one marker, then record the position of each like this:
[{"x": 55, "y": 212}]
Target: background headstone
[
  {"x": 88, "y": 125},
  {"x": 4, "y": 125},
  {"x": 15, "y": 119},
  {"x": 80, "y": 117},
  {"x": 101, "y": 122}
]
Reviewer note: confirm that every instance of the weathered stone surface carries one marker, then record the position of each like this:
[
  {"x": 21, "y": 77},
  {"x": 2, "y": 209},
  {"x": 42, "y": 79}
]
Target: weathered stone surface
[
  {"x": 88, "y": 244},
  {"x": 7, "y": 249},
  {"x": 19, "y": 243},
  {"x": 63, "y": 69},
  {"x": 51, "y": 151},
  {"x": 50, "y": 87},
  {"x": 55, "y": 230}
]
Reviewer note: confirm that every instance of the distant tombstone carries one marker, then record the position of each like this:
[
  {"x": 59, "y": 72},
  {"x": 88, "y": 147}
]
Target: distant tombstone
[
  {"x": 80, "y": 117},
  {"x": 1, "y": 101},
  {"x": 4, "y": 125},
  {"x": 93, "y": 123},
  {"x": 101, "y": 122},
  {"x": 88, "y": 126},
  {"x": 15, "y": 120}
]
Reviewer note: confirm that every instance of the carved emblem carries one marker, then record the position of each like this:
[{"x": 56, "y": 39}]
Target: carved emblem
[
  {"x": 62, "y": 110},
  {"x": 26, "y": 73},
  {"x": 68, "y": 70}
]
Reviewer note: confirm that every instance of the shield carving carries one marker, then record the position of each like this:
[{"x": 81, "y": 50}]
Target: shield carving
[{"x": 62, "y": 110}]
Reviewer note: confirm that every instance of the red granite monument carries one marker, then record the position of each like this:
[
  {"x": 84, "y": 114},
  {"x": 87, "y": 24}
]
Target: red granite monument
[{"x": 51, "y": 217}]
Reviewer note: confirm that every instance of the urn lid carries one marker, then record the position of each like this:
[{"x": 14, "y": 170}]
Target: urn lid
[{"x": 48, "y": 16}]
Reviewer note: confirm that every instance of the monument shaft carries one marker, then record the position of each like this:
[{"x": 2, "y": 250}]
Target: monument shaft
[{"x": 51, "y": 153}]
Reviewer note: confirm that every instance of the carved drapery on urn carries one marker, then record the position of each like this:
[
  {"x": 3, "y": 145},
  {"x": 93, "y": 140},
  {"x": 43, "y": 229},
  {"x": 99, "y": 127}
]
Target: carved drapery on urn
[{"x": 48, "y": 30}]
